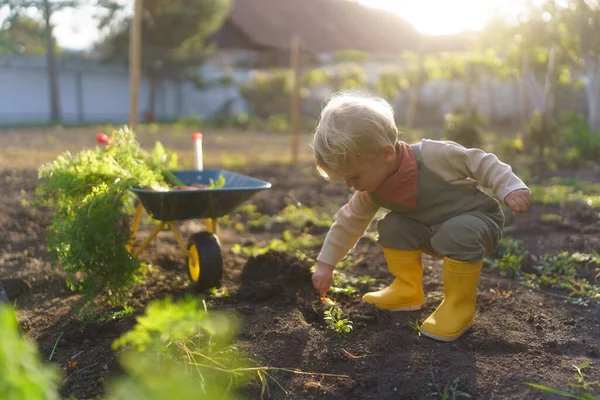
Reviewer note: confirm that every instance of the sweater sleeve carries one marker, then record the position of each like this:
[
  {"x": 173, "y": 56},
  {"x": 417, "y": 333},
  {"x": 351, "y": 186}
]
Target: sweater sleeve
[
  {"x": 350, "y": 224},
  {"x": 453, "y": 162}
]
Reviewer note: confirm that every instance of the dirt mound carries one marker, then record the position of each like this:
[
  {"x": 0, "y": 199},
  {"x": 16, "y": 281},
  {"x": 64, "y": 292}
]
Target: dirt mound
[{"x": 274, "y": 274}]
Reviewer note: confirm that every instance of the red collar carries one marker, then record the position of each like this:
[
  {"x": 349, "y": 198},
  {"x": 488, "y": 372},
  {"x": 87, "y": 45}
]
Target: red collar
[{"x": 401, "y": 187}]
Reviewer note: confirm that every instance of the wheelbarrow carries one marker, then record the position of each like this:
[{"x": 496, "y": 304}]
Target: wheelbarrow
[{"x": 203, "y": 249}]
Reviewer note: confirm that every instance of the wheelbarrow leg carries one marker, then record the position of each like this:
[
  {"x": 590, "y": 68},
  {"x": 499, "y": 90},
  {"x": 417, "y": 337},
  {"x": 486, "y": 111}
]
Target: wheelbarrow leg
[
  {"x": 178, "y": 237},
  {"x": 149, "y": 239},
  {"x": 135, "y": 225},
  {"x": 212, "y": 225}
]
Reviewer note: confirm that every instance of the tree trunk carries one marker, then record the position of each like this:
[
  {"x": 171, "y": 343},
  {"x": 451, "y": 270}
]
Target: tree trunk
[
  {"x": 415, "y": 92},
  {"x": 151, "y": 112},
  {"x": 51, "y": 58},
  {"x": 526, "y": 101},
  {"x": 592, "y": 91},
  {"x": 548, "y": 104}
]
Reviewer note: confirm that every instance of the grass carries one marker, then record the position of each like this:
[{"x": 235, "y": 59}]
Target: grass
[
  {"x": 560, "y": 270},
  {"x": 223, "y": 148},
  {"x": 566, "y": 191},
  {"x": 450, "y": 391},
  {"x": 579, "y": 381}
]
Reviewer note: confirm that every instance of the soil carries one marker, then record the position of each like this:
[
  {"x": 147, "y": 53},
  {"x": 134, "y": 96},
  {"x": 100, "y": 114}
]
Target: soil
[{"x": 520, "y": 334}]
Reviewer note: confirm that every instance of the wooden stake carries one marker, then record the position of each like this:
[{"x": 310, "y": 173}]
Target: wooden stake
[
  {"x": 295, "y": 99},
  {"x": 135, "y": 61}
]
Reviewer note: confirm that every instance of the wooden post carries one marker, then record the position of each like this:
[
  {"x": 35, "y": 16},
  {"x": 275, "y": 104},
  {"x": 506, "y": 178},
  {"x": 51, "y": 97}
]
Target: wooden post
[
  {"x": 295, "y": 98},
  {"x": 135, "y": 61}
]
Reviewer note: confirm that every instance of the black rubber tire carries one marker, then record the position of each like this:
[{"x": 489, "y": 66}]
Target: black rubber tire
[{"x": 211, "y": 260}]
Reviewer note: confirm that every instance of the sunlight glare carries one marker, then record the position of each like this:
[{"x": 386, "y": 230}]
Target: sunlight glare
[{"x": 441, "y": 17}]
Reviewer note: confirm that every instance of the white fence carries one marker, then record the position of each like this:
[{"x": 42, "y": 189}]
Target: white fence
[
  {"x": 90, "y": 92},
  {"x": 93, "y": 92}
]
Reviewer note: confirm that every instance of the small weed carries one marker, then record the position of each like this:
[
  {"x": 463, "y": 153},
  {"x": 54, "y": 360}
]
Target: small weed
[
  {"x": 91, "y": 316},
  {"x": 415, "y": 326},
  {"x": 510, "y": 265},
  {"x": 586, "y": 389},
  {"x": 450, "y": 390},
  {"x": 508, "y": 257},
  {"x": 349, "y": 285},
  {"x": 116, "y": 315},
  {"x": 564, "y": 194},
  {"x": 216, "y": 184},
  {"x": 296, "y": 216},
  {"x": 560, "y": 271},
  {"x": 219, "y": 292},
  {"x": 335, "y": 320},
  {"x": 551, "y": 270},
  {"x": 288, "y": 244}
]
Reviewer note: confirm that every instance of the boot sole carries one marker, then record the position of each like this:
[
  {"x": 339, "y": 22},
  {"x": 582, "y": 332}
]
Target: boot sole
[{"x": 446, "y": 339}]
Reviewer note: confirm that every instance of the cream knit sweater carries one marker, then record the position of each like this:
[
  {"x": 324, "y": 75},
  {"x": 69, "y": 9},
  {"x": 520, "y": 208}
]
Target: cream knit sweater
[{"x": 452, "y": 162}]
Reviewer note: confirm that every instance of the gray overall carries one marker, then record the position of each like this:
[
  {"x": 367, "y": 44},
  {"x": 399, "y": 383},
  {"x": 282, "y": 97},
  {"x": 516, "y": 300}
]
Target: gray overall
[{"x": 460, "y": 222}]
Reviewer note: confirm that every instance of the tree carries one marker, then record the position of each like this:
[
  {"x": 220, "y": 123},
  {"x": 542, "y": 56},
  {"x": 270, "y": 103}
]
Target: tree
[
  {"x": 579, "y": 27},
  {"x": 174, "y": 36},
  {"x": 22, "y": 35},
  {"x": 47, "y": 9}
]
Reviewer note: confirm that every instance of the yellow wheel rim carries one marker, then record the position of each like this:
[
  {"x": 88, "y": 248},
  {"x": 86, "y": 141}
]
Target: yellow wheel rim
[{"x": 194, "y": 263}]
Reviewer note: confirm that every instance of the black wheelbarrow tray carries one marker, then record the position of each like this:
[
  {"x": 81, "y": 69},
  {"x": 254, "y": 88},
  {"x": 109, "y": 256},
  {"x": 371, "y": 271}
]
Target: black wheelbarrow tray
[{"x": 203, "y": 249}]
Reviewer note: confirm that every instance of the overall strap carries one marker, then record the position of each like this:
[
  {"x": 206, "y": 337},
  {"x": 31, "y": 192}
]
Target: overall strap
[{"x": 416, "y": 148}]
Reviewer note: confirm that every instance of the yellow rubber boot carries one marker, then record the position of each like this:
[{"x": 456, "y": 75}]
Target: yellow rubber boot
[
  {"x": 406, "y": 292},
  {"x": 454, "y": 316}
]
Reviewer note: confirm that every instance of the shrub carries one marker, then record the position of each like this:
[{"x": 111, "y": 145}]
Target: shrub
[
  {"x": 466, "y": 128},
  {"x": 22, "y": 374}
]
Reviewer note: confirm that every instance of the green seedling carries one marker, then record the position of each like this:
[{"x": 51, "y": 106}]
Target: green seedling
[
  {"x": 335, "y": 320},
  {"x": 578, "y": 381},
  {"x": 415, "y": 326},
  {"x": 219, "y": 183},
  {"x": 450, "y": 390}
]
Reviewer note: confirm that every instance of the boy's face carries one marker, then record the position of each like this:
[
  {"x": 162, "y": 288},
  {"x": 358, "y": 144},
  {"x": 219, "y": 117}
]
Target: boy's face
[{"x": 370, "y": 174}]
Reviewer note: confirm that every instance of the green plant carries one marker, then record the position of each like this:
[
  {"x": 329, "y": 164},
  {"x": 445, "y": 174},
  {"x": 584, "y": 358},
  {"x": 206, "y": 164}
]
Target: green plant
[
  {"x": 579, "y": 137},
  {"x": 278, "y": 123},
  {"x": 188, "y": 339},
  {"x": 415, "y": 326},
  {"x": 560, "y": 271},
  {"x": 91, "y": 201},
  {"x": 586, "y": 388},
  {"x": 22, "y": 374},
  {"x": 219, "y": 183},
  {"x": 268, "y": 92},
  {"x": 289, "y": 243},
  {"x": 508, "y": 257},
  {"x": 465, "y": 128},
  {"x": 509, "y": 149},
  {"x": 563, "y": 194},
  {"x": 539, "y": 132},
  {"x": 335, "y": 320},
  {"x": 450, "y": 390}
]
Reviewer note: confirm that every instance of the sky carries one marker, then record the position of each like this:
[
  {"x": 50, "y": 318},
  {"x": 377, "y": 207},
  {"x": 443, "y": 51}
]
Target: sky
[
  {"x": 76, "y": 29},
  {"x": 442, "y": 17}
]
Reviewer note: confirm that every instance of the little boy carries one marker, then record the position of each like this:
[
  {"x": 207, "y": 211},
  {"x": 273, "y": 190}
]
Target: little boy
[{"x": 432, "y": 190}]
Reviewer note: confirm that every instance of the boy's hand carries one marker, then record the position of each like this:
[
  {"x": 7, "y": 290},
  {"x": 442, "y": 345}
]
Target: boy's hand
[
  {"x": 323, "y": 277},
  {"x": 518, "y": 200}
]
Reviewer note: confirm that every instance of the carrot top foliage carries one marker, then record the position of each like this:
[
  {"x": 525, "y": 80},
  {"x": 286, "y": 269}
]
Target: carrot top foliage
[{"x": 88, "y": 193}]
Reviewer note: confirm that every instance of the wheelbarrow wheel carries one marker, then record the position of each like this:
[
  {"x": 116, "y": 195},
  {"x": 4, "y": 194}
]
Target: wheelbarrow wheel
[{"x": 205, "y": 261}]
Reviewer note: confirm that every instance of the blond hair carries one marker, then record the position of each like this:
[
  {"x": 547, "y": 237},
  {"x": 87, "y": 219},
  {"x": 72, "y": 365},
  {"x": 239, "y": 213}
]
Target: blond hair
[{"x": 352, "y": 128}]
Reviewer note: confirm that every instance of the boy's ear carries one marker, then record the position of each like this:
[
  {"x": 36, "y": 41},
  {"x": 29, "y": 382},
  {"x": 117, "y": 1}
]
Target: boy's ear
[{"x": 389, "y": 154}]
